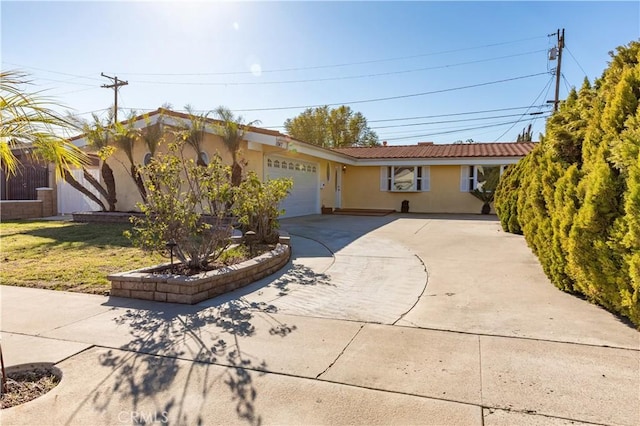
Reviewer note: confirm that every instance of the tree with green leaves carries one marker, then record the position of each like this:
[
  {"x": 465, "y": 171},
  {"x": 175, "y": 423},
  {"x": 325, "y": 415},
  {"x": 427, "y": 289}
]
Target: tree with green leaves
[
  {"x": 257, "y": 205},
  {"x": 526, "y": 135},
  {"x": 192, "y": 132},
  {"x": 124, "y": 137},
  {"x": 187, "y": 205},
  {"x": 488, "y": 178},
  {"x": 98, "y": 136},
  {"x": 232, "y": 131},
  {"x": 332, "y": 127},
  {"x": 27, "y": 119},
  {"x": 576, "y": 195}
]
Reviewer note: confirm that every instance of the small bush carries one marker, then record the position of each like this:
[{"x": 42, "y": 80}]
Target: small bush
[
  {"x": 186, "y": 205},
  {"x": 257, "y": 205}
]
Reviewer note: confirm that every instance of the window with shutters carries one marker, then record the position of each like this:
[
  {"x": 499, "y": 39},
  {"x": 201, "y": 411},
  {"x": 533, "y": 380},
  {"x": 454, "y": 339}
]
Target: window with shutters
[
  {"x": 404, "y": 178},
  {"x": 476, "y": 177}
]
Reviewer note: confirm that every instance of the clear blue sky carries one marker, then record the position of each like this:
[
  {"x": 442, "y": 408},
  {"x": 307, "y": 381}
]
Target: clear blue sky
[{"x": 256, "y": 56}]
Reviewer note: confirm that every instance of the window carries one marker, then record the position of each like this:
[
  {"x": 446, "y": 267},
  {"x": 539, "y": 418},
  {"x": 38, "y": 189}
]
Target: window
[
  {"x": 291, "y": 166},
  {"x": 269, "y": 162},
  {"x": 478, "y": 177},
  {"x": 284, "y": 164},
  {"x": 404, "y": 178},
  {"x": 204, "y": 157},
  {"x": 147, "y": 158}
]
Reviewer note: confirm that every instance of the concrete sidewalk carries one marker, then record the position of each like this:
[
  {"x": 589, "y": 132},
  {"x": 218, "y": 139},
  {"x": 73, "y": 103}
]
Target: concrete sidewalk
[{"x": 402, "y": 319}]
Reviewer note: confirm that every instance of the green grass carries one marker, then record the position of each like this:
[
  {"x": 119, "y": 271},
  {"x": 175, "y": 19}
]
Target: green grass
[{"x": 67, "y": 255}]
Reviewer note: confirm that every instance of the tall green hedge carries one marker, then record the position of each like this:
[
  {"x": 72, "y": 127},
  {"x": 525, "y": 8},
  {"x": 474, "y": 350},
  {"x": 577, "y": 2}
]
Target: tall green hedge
[{"x": 576, "y": 196}]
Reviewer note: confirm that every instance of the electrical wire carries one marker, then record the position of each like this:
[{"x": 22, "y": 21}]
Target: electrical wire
[
  {"x": 350, "y": 77},
  {"x": 316, "y": 67},
  {"x": 51, "y": 71},
  {"x": 453, "y": 121},
  {"x": 389, "y": 98},
  {"x": 455, "y": 131},
  {"x": 574, "y": 58},
  {"x": 566, "y": 82},
  {"x": 434, "y": 116},
  {"x": 547, "y": 86}
]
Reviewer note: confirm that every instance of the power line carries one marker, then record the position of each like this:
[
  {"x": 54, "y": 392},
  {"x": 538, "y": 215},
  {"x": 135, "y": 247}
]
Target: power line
[
  {"x": 339, "y": 65},
  {"x": 351, "y": 77},
  {"x": 434, "y": 116},
  {"x": 566, "y": 83},
  {"x": 547, "y": 86},
  {"x": 53, "y": 72},
  {"x": 452, "y": 115},
  {"x": 574, "y": 58},
  {"x": 389, "y": 98},
  {"x": 454, "y": 121},
  {"x": 455, "y": 131}
]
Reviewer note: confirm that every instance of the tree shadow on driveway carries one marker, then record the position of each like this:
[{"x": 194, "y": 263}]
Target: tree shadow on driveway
[{"x": 170, "y": 360}]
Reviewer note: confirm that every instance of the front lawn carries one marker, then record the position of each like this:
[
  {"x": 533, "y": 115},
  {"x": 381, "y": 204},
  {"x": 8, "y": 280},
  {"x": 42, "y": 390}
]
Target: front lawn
[{"x": 67, "y": 255}]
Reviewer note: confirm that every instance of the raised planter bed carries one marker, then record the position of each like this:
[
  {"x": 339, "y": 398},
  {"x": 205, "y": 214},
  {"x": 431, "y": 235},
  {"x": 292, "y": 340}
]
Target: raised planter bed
[
  {"x": 147, "y": 285},
  {"x": 104, "y": 217}
]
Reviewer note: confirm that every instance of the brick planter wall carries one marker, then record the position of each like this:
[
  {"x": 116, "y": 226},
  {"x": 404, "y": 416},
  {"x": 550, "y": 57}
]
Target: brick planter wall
[
  {"x": 142, "y": 284},
  {"x": 104, "y": 217},
  {"x": 20, "y": 209},
  {"x": 29, "y": 209}
]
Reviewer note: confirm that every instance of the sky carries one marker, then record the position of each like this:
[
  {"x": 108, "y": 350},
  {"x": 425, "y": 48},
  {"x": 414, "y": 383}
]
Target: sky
[{"x": 418, "y": 71}]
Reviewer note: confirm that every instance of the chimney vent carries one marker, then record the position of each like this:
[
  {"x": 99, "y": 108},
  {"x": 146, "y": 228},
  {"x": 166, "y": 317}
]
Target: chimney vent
[{"x": 384, "y": 143}]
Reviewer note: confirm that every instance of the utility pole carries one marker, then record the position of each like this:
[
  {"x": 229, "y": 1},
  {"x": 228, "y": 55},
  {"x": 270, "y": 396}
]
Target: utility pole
[
  {"x": 556, "y": 102},
  {"x": 116, "y": 84}
]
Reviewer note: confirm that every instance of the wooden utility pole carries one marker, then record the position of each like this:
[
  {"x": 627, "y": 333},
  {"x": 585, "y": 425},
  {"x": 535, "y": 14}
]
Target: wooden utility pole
[
  {"x": 556, "y": 102},
  {"x": 116, "y": 84}
]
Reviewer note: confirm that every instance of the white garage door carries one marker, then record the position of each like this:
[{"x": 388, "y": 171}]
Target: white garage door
[{"x": 303, "y": 199}]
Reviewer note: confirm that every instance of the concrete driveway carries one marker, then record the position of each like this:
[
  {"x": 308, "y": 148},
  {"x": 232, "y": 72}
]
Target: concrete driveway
[{"x": 401, "y": 319}]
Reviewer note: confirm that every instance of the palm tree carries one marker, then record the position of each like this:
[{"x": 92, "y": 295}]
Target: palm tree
[
  {"x": 98, "y": 137},
  {"x": 152, "y": 134},
  {"x": 26, "y": 119},
  {"x": 192, "y": 132},
  {"x": 232, "y": 131},
  {"x": 124, "y": 136}
]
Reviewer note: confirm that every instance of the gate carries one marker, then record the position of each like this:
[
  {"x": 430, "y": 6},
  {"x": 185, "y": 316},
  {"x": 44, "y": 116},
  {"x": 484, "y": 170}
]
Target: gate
[{"x": 23, "y": 185}]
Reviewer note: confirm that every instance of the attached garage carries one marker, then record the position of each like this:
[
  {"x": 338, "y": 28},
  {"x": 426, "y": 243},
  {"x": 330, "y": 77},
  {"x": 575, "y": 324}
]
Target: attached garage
[{"x": 304, "y": 197}]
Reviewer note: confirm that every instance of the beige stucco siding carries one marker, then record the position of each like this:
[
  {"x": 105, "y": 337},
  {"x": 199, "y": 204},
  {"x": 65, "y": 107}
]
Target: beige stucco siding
[
  {"x": 254, "y": 155},
  {"x": 126, "y": 191},
  {"x": 361, "y": 189}
]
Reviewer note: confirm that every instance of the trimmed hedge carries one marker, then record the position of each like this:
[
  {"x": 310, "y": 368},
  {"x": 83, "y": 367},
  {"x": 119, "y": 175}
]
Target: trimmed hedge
[{"x": 576, "y": 196}]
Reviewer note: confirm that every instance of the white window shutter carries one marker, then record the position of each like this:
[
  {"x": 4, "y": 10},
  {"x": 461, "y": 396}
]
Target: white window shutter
[
  {"x": 384, "y": 178},
  {"x": 426, "y": 178},
  {"x": 464, "y": 178}
]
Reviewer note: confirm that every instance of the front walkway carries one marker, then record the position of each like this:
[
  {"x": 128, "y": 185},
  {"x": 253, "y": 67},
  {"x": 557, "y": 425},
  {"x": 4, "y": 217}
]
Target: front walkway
[{"x": 402, "y": 319}]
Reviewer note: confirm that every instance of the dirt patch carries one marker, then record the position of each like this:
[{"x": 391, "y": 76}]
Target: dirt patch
[
  {"x": 24, "y": 386},
  {"x": 238, "y": 257}
]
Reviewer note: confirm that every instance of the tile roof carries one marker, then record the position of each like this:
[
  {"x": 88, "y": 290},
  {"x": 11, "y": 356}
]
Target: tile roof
[{"x": 497, "y": 149}]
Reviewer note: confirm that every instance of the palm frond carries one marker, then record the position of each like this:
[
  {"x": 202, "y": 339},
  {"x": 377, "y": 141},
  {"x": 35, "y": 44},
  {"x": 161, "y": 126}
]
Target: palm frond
[{"x": 28, "y": 119}]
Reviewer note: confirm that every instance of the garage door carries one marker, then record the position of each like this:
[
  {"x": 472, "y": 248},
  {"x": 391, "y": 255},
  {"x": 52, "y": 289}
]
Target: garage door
[{"x": 303, "y": 199}]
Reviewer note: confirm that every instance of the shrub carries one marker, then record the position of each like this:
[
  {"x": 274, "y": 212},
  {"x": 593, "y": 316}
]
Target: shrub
[
  {"x": 186, "y": 204},
  {"x": 257, "y": 205},
  {"x": 576, "y": 196},
  {"x": 506, "y": 197}
]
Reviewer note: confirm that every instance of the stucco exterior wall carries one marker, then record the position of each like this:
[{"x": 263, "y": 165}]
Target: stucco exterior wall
[
  {"x": 361, "y": 189},
  {"x": 126, "y": 191}
]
